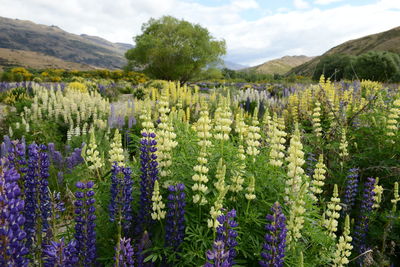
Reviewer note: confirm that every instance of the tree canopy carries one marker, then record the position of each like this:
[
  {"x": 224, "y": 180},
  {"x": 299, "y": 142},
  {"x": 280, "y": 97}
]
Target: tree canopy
[
  {"x": 335, "y": 66},
  {"x": 173, "y": 49},
  {"x": 380, "y": 66}
]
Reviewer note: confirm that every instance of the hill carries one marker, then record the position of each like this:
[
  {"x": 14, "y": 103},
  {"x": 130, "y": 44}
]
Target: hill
[
  {"x": 55, "y": 42},
  {"x": 384, "y": 41},
  {"x": 35, "y": 60},
  {"x": 280, "y": 65},
  {"x": 232, "y": 65}
]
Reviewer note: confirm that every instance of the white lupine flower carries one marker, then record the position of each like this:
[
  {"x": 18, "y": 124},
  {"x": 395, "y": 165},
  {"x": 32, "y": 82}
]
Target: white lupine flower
[
  {"x": 393, "y": 117},
  {"x": 316, "y": 120},
  {"x": 117, "y": 152},
  {"x": 332, "y": 215},
  {"x": 253, "y": 137},
  {"x": 91, "y": 154},
  {"x": 203, "y": 127},
  {"x": 296, "y": 187},
  {"x": 222, "y": 189},
  {"x": 343, "y": 246},
  {"x": 343, "y": 145},
  {"x": 250, "y": 189},
  {"x": 276, "y": 137},
  {"x": 222, "y": 120},
  {"x": 318, "y": 178},
  {"x": 158, "y": 206},
  {"x": 378, "y": 190}
]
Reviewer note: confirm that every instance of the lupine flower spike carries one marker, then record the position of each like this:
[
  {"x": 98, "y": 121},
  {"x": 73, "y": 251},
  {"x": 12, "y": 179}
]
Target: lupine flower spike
[
  {"x": 318, "y": 179},
  {"x": 85, "y": 234},
  {"x": 175, "y": 219},
  {"x": 148, "y": 161},
  {"x": 362, "y": 224},
  {"x": 224, "y": 252},
  {"x": 125, "y": 253},
  {"x": 273, "y": 252},
  {"x": 12, "y": 234},
  {"x": 351, "y": 191},
  {"x": 343, "y": 247},
  {"x": 332, "y": 215}
]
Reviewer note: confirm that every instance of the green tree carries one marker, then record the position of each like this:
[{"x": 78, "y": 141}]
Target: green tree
[
  {"x": 335, "y": 66},
  {"x": 173, "y": 49},
  {"x": 380, "y": 66}
]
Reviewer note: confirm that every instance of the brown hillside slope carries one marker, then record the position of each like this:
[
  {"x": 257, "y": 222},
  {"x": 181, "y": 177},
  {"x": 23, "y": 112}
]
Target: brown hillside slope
[
  {"x": 383, "y": 41},
  {"x": 55, "y": 42},
  {"x": 29, "y": 59},
  {"x": 280, "y": 65}
]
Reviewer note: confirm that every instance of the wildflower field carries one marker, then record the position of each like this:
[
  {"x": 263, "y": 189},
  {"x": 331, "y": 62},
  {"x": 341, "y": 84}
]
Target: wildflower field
[{"x": 199, "y": 174}]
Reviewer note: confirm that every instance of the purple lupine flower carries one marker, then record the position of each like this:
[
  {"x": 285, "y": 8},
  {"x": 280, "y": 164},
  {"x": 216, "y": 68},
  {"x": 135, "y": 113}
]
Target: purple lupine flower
[
  {"x": 310, "y": 163},
  {"x": 126, "y": 253},
  {"x": 60, "y": 177},
  {"x": 362, "y": 224},
  {"x": 121, "y": 195},
  {"x": 74, "y": 159},
  {"x": 351, "y": 191},
  {"x": 218, "y": 256},
  {"x": 275, "y": 239},
  {"x": 52, "y": 148},
  {"x": 7, "y": 144},
  {"x": 60, "y": 254},
  {"x": 30, "y": 185},
  {"x": 85, "y": 234},
  {"x": 16, "y": 156},
  {"x": 227, "y": 234},
  {"x": 44, "y": 196},
  {"x": 148, "y": 161},
  {"x": 3, "y": 150},
  {"x": 131, "y": 122},
  {"x": 12, "y": 235},
  {"x": 143, "y": 244},
  {"x": 175, "y": 218},
  {"x": 37, "y": 209},
  {"x": 58, "y": 206}
]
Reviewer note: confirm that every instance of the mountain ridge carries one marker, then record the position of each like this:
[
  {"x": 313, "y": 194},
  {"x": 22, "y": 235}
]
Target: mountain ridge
[
  {"x": 53, "y": 41},
  {"x": 383, "y": 41},
  {"x": 280, "y": 65}
]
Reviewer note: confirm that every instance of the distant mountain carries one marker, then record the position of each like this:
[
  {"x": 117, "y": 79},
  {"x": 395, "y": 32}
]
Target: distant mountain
[
  {"x": 55, "y": 42},
  {"x": 233, "y": 66},
  {"x": 384, "y": 41},
  {"x": 35, "y": 60},
  {"x": 280, "y": 65}
]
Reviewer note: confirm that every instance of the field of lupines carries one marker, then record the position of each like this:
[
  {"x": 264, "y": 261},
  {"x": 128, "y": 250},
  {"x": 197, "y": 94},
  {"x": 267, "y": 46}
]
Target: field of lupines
[{"x": 198, "y": 176}]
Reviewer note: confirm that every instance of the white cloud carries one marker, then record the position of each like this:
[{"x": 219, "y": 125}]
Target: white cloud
[
  {"x": 309, "y": 31},
  {"x": 326, "y": 2},
  {"x": 300, "y": 4},
  {"x": 245, "y": 4}
]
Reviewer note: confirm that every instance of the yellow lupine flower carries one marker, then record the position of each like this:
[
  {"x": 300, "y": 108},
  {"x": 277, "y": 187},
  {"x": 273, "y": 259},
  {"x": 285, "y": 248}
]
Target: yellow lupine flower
[
  {"x": 318, "y": 178},
  {"x": 158, "y": 206},
  {"x": 332, "y": 213},
  {"x": 117, "y": 152},
  {"x": 343, "y": 246}
]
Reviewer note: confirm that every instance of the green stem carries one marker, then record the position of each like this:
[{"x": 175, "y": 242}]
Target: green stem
[
  {"x": 247, "y": 209},
  {"x": 119, "y": 230}
]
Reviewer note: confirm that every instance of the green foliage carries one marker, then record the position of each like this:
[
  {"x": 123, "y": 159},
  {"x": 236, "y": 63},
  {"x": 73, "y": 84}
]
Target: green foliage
[
  {"x": 173, "y": 49},
  {"x": 378, "y": 66},
  {"x": 335, "y": 66}
]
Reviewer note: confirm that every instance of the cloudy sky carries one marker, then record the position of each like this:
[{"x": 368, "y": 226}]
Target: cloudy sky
[{"x": 255, "y": 30}]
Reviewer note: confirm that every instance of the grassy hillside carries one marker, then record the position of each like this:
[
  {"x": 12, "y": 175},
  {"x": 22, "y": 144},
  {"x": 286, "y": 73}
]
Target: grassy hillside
[
  {"x": 55, "y": 42},
  {"x": 35, "y": 60},
  {"x": 280, "y": 65},
  {"x": 384, "y": 41}
]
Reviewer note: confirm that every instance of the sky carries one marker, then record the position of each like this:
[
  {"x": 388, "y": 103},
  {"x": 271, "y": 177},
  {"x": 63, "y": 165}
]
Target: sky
[{"x": 254, "y": 30}]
